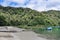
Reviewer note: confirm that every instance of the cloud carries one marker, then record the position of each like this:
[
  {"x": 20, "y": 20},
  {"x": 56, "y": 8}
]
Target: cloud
[
  {"x": 53, "y": 4},
  {"x": 40, "y": 5},
  {"x": 33, "y": 4}
]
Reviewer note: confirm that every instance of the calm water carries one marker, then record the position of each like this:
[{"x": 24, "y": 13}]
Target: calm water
[{"x": 51, "y": 34}]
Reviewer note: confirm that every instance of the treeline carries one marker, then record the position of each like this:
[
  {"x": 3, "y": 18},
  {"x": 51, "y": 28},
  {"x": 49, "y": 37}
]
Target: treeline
[{"x": 24, "y": 16}]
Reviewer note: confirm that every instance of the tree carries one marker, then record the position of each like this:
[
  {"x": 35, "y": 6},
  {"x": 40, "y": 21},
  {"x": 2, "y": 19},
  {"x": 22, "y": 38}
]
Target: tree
[{"x": 2, "y": 21}]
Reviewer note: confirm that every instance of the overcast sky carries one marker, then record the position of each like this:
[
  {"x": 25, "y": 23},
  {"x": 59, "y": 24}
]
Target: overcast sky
[{"x": 40, "y": 5}]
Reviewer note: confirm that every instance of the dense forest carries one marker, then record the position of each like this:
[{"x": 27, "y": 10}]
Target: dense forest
[{"x": 10, "y": 16}]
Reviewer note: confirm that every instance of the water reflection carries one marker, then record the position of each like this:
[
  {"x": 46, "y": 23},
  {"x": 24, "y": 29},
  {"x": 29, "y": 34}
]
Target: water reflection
[
  {"x": 52, "y": 32},
  {"x": 49, "y": 32}
]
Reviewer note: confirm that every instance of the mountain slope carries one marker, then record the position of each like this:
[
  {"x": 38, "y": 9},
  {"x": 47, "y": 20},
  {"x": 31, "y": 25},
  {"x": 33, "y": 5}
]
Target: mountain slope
[{"x": 10, "y": 16}]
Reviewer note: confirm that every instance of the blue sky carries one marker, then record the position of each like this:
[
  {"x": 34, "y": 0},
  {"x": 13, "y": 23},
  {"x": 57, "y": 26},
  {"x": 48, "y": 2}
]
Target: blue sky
[{"x": 40, "y": 5}]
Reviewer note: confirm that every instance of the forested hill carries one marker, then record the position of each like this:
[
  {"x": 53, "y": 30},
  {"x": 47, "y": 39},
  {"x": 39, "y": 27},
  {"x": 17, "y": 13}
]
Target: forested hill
[{"x": 10, "y": 16}]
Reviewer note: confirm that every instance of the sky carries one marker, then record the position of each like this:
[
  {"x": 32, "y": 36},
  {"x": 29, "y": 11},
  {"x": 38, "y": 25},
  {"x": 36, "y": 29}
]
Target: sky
[{"x": 39, "y": 5}]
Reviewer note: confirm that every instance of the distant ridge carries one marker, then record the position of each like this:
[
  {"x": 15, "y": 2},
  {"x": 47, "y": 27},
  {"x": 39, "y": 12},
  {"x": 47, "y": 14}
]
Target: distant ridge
[{"x": 26, "y": 16}]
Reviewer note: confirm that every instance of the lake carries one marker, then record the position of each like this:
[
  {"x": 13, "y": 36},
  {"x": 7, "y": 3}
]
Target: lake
[{"x": 54, "y": 33}]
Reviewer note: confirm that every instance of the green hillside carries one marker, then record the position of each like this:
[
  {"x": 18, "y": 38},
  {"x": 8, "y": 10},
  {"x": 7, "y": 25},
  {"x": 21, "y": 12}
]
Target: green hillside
[
  {"x": 10, "y": 16},
  {"x": 32, "y": 20}
]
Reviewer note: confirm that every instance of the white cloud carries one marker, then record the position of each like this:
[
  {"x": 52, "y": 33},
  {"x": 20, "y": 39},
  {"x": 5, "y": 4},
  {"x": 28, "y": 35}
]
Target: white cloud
[
  {"x": 40, "y": 5},
  {"x": 53, "y": 5},
  {"x": 33, "y": 4}
]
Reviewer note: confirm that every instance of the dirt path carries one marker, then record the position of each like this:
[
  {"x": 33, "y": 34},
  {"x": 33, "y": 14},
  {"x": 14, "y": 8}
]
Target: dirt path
[
  {"x": 29, "y": 36},
  {"x": 21, "y": 35}
]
